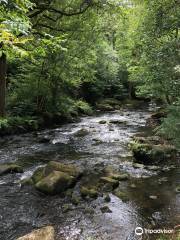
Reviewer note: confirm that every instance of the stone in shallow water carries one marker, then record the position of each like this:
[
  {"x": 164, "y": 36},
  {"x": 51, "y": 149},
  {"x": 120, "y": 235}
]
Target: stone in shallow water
[
  {"x": 10, "y": 168},
  {"x": 122, "y": 195},
  {"x": 45, "y": 233},
  {"x": 88, "y": 192},
  {"x": 153, "y": 197},
  {"x": 55, "y": 182},
  {"x": 81, "y": 133},
  {"x": 102, "y": 122},
  {"x": 105, "y": 209},
  {"x": 120, "y": 177},
  {"x": 111, "y": 182},
  {"x": 66, "y": 168}
]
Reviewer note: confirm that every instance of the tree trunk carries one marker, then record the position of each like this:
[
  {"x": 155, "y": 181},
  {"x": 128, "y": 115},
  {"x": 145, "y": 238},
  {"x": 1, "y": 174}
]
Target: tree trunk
[{"x": 3, "y": 67}]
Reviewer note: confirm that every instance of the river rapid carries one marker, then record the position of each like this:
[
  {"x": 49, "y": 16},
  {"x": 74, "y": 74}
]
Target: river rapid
[{"x": 22, "y": 208}]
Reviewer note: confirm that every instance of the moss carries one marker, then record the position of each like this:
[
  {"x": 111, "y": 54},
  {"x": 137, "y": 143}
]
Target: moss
[
  {"x": 104, "y": 107},
  {"x": 122, "y": 195},
  {"x": 38, "y": 175},
  {"x": 90, "y": 192},
  {"x": 75, "y": 199},
  {"x": 66, "y": 208},
  {"x": 109, "y": 181},
  {"x": 55, "y": 182},
  {"x": 67, "y": 168},
  {"x": 150, "y": 153},
  {"x": 10, "y": 168},
  {"x": 120, "y": 177},
  {"x": 105, "y": 209},
  {"x": 26, "y": 181}
]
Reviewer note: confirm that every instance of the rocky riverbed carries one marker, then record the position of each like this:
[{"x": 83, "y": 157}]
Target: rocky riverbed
[{"x": 112, "y": 197}]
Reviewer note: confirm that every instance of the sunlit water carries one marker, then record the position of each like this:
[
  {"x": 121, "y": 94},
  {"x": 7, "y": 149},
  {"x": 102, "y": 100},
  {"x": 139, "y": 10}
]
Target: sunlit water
[{"x": 23, "y": 208}]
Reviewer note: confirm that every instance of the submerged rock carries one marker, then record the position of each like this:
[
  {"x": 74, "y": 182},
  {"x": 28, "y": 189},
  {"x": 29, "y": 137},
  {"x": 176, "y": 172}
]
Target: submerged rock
[
  {"x": 90, "y": 192},
  {"x": 10, "y": 168},
  {"x": 45, "y": 233},
  {"x": 122, "y": 195},
  {"x": 55, "y": 182},
  {"x": 110, "y": 182},
  {"x": 81, "y": 133},
  {"x": 105, "y": 209},
  {"x": 107, "y": 198},
  {"x": 117, "y": 121},
  {"x": 26, "y": 181}
]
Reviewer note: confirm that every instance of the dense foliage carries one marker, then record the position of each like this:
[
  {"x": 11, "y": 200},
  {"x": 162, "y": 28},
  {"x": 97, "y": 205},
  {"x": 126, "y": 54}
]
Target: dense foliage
[{"x": 66, "y": 55}]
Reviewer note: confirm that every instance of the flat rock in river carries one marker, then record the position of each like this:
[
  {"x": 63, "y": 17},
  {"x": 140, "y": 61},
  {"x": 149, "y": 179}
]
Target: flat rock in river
[
  {"x": 45, "y": 233},
  {"x": 55, "y": 182},
  {"x": 10, "y": 168}
]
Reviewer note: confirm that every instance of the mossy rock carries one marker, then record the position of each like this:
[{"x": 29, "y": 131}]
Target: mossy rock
[
  {"x": 55, "y": 182},
  {"x": 38, "y": 175},
  {"x": 102, "y": 122},
  {"x": 110, "y": 182},
  {"x": 150, "y": 154},
  {"x": 26, "y": 182},
  {"x": 66, "y": 168},
  {"x": 90, "y": 192},
  {"x": 75, "y": 199},
  {"x": 10, "y": 168},
  {"x": 107, "y": 198},
  {"x": 104, "y": 107},
  {"x": 122, "y": 195},
  {"x": 81, "y": 133},
  {"x": 117, "y": 121},
  {"x": 105, "y": 209},
  {"x": 120, "y": 177},
  {"x": 66, "y": 208}
]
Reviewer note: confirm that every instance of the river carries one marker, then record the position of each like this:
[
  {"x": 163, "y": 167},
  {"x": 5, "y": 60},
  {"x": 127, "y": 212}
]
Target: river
[{"x": 23, "y": 209}]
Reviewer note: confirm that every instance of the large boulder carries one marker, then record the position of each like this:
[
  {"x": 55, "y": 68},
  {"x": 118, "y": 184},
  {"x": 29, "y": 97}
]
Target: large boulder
[
  {"x": 55, "y": 182},
  {"x": 10, "y": 168},
  {"x": 45, "y": 233},
  {"x": 147, "y": 153},
  {"x": 66, "y": 168},
  {"x": 38, "y": 174}
]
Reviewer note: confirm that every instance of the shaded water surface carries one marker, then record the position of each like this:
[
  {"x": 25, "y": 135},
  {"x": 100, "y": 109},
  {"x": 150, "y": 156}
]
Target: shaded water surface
[{"x": 23, "y": 208}]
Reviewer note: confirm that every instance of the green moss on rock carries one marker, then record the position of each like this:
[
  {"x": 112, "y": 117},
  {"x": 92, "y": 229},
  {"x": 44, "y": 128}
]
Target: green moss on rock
[
  {"x": 90, "y": 192},
  {"x": 10, "y": 168},
  {"x": 66, "y": 168},
  {"x": 55, "y": 182}
]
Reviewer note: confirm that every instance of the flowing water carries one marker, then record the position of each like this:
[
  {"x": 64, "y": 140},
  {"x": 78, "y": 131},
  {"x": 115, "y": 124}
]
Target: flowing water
[{"x": 23, "y": 209}]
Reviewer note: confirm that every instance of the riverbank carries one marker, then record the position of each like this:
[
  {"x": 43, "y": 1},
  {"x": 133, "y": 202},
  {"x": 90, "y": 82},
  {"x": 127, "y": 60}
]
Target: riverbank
[{"x": 19, "y": 125}]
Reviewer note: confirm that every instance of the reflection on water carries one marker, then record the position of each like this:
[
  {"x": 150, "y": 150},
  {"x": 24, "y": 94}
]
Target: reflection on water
[{"x": 153, "y": 200}]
